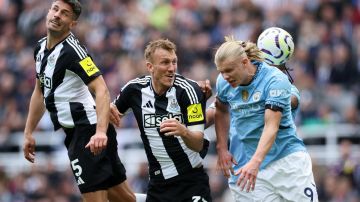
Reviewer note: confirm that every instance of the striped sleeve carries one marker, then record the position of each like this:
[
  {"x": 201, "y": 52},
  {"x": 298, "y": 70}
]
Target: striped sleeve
[
  {"x": 129, "y": 92},
  {"x": 84, "y": 66},
  {"x": 192, "y": 101}
]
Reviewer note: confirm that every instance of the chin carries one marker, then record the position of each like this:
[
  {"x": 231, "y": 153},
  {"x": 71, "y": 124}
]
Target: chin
[
  {"x": 169, "y": 84},
  {"x": 232, "y": 84},
  {"x": 170, "y": 81},
  {"x": 52, "y": 29}
]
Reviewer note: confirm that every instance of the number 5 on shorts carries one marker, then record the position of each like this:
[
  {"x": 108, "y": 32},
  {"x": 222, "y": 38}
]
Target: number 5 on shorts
[
  {"x": 77, "y": 171},
  {"x": 76, "y": 168}
]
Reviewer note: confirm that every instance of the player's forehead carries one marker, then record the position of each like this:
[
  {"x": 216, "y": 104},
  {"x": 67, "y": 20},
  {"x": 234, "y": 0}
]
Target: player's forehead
[
  {"x": 62, "y": 5},
  {"x": 229, "y": 63},
  {"x": 162, "y": 54}
]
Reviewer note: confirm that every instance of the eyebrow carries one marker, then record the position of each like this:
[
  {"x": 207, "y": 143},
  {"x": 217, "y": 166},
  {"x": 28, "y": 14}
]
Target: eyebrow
[{"x": 63, "y": 10}]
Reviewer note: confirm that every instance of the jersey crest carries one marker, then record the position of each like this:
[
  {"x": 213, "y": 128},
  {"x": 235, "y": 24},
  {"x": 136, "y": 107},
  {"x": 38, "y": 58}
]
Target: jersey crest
[
  {"x": 245, "y": 95},
  {"x": 173, "y": 106},
  {"x": 51, "y": 61}
]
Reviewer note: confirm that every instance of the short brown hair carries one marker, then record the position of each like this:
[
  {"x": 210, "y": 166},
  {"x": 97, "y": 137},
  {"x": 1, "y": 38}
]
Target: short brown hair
[
  {"x": 75, "y": 6},
  {"x": 160, "y": 43}
]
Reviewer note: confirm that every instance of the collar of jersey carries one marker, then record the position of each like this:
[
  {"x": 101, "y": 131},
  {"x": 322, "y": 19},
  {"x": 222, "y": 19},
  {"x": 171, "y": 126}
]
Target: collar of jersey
[
  {"x": 155, "y": 93},
  {"x": 53, "y": 48},
  {"x": 258, "y": 67}
]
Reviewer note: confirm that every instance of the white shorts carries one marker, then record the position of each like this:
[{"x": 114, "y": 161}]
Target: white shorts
[{"x": 287, "y": 179}]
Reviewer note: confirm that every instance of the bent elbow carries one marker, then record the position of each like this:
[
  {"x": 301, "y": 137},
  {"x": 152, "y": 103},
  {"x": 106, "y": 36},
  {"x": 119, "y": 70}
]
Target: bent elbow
[{"x": 199, "y": 147}]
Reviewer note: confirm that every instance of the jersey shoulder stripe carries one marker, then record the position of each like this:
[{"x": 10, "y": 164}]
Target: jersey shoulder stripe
[
  {"x": 42, "y": 40},
  {"x": 40, "y": 43},
  {"x": 74, "y": 43},
  {"x": 189, "y": 79},
  {"x": 142, "y": 81},
  {"x": 190, "y": 90}
]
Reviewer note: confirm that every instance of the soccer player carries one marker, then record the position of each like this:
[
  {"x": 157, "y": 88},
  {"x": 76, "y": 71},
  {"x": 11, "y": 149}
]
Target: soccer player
[
  {"x": 266, "y": 159},
  {"x": 169, "y": 110},
  {"x": 65, "y": 78},
  {"x": 277, "y": 48}
]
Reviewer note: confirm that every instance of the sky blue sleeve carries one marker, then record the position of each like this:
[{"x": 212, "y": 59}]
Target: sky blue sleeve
[
  {"x": 221, "y": 89},
  {"x": 278, "y": 93}
]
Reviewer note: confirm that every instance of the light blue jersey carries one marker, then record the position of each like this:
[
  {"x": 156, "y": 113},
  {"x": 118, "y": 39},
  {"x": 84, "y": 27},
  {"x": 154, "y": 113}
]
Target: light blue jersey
[
  {"x": 295, "y": 92},
  {"x": 270, "y": 87}
]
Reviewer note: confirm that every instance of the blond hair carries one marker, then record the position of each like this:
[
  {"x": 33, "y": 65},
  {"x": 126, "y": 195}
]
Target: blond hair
[
  {"x": 233, "y": 48},
  {"x": 165, "y": 44}
]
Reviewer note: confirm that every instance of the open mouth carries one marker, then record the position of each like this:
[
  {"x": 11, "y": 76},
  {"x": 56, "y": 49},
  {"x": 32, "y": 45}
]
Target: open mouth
[
  {"x": 232, "y": 82},
  {"x": 55, "y": 22}
]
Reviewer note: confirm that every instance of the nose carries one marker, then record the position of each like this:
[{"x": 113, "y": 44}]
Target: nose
[
  {"x": 226, "y": 77},
  {"x": 172, "y": 67},
  {"x": 57, "y": 14}
]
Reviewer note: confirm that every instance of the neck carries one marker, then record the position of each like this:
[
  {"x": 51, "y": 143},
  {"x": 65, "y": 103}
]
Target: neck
[
  {"x": 55, "y": 38},
  {"x": 251, "y": 75},
  {"x": 158, "y": 88},
  {"x": 253, "y": 69}
]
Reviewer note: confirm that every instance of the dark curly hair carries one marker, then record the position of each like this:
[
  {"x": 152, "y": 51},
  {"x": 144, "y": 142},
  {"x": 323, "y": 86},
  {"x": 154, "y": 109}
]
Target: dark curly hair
[{"x": 75, "y": 5}]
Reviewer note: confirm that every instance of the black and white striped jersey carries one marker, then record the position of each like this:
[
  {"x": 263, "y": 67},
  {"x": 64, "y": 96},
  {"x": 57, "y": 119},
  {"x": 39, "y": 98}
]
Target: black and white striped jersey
[
  {"x": 64, "y": 72},
  {"x": 168, "y": 156}
]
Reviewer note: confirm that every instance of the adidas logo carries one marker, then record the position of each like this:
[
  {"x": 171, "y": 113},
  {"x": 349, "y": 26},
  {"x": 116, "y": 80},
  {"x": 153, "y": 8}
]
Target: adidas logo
[{"x": 148, "y": 105}]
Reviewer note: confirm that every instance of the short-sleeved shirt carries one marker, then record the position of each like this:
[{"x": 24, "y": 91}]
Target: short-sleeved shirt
[
  {"x": 270, "y": 88},
  {"x": 294, "y": 92},
  {"x": 168, "y": 156},
  {"x": 64, "y": 72}
]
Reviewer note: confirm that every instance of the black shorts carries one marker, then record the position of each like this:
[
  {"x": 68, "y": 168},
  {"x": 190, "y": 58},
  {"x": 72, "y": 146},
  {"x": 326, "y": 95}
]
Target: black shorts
[
  {"x": 190, "y": 187},
  {"x": 94, "y": 172}
]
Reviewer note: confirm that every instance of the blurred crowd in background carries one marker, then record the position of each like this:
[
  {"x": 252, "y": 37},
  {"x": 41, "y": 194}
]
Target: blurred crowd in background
[{"x": 326, "y": 68}]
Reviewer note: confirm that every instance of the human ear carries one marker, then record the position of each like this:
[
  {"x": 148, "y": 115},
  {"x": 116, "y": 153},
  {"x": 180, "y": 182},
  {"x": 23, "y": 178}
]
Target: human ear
[
  {"x": 149, "y": 67},
  {"x": 244, "y": 61},
  {"x": 73, "y": 24}
]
